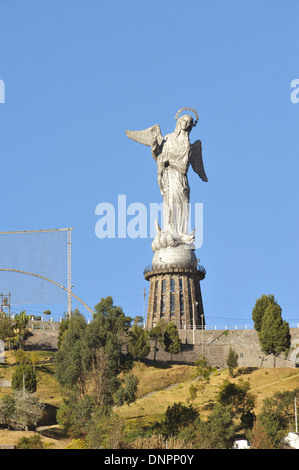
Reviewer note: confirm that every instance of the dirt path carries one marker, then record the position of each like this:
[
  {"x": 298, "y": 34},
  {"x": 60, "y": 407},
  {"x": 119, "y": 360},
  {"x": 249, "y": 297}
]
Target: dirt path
[{"x": 275, "y": 383}]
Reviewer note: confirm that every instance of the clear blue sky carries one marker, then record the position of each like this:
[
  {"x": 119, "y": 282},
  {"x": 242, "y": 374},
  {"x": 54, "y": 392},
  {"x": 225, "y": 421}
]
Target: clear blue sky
[{"x": 78, "y": 73}]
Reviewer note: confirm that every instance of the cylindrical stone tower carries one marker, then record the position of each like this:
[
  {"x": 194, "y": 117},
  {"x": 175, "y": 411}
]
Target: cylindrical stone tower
[{"x": 175, "y": 293}]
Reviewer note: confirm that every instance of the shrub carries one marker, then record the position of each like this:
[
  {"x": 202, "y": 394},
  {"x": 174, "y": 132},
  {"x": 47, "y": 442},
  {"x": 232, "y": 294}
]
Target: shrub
[
  {"x": 32, "y": 442},
  {"x": 24, "y": 375}
]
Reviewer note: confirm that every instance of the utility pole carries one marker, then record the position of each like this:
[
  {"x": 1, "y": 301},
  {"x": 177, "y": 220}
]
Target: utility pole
[
  {"x": 144, "y": 296},
  {"x": 69, "y": 271},
  {"x": 296, "y": 425},
  {"x": 202, "y": 326}
]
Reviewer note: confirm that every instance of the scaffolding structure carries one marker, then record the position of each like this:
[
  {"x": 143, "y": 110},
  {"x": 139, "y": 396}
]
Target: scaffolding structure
[
  {"x": 5, "y": 303},
  {"x": 69, "y": 271},
  {"x": 69, "y": 262}
]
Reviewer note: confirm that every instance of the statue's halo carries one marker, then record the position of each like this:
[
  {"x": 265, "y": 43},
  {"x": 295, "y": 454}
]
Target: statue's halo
[{"x": 187, "y": 109}]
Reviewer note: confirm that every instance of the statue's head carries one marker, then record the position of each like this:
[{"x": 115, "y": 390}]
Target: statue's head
[{"x": 184, "y": 123}]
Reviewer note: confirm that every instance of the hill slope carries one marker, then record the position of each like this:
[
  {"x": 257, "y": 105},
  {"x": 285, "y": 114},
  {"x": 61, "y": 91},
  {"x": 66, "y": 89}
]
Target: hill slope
[
  {"x": 150, "y": 407},
  {"x": 160, "y": 385}
]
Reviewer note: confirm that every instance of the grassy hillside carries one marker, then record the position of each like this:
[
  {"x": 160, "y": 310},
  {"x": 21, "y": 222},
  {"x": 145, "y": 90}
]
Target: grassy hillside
[
  {"x": 150, "y": 408},
  {"x": 160, "y": 385}
]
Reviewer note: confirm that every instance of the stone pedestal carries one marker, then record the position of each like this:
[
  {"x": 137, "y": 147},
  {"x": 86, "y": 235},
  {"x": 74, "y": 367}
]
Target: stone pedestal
[{"x": 175, "y": 293}]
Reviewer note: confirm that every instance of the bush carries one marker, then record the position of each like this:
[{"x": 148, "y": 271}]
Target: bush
[
  {"x": 24, "y": 375},
  {"x": 33, "y": 442},
  {"x": 77, "y": 444},
  {"x": 28, "y": 411},
  {"x": 178, "y": 416}
]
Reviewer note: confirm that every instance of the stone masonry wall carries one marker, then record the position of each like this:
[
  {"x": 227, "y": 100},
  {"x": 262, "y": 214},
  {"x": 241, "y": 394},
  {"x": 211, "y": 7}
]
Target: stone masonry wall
[{"x": 216, "y": 344}]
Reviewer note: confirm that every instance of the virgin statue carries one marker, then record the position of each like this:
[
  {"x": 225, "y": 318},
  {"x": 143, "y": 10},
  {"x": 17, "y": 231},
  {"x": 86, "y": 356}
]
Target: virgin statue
[{"x": 173, "y": 153}]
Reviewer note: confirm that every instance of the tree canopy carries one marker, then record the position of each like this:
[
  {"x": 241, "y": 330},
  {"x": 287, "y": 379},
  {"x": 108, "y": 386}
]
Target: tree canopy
[
  {"x": 171, "y": 339},
  {"x": 139, "y": 345},
  {"x": 274, "y": 335},
  {"x": 260, "y": 308},
  {"x": 97, "y": 353}
]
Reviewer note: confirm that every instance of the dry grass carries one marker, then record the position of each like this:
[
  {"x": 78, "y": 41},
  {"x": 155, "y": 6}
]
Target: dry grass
[
  {"x": 153, "y": 378},
  {"x": 159, "y": 386},
  {"x": 8, "y": 437},
  {"x": 263, "y": 383}
]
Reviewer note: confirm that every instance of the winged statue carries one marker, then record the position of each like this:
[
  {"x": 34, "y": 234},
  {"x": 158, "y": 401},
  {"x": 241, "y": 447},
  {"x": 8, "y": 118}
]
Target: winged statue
[{"x": 174, "y": 154}]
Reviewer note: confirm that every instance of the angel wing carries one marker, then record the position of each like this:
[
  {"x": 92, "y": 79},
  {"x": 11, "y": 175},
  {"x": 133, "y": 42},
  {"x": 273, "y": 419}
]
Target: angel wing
[
  {"x": 196, "y": 160},
  {"x": 146, "y": 136}
]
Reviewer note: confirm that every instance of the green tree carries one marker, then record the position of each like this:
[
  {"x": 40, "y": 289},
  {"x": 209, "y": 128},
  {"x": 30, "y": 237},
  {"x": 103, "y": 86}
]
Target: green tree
[
  {"x": 203, "y": 374},
  {"x": 47, "y": 313},
  {"x": 24, "y": 377},
  {"x": 274, "y": 335},
  {"x": 157, "y": 334},
  {"x": 101, "y": 377},
  {"x": 232, "y": 361},
  {"x": 171, "y": 339},
  {"x": 71, "y": 360},
  {"x": 273, "y": 422},
  {"x": 110, "y": 329},
  {"x": 63, "y": 327},
  {"x": 21, "y": 321},
  {"x": 34, "y": 358},
  {"x": 96, "y": 352},
  {"x": 139, "y": 345},
  {"x": 106, "y": 432},
  {"x": 131, "y": 384},
  {"x": 178, "y": 416},
  {"x": 260, "y": 308},
  {"x": 239, "y": 399},
  {"x": 218, "y": 432},
  {"x": 76, "y": 414},
  {"x": 277, "y": 415},
  {"x": 22, "y": 408},
  {"x": 6, "y": 328},
  {"x": 127, "y": 394},
  {"x": 28, "y": 410},
  {"x": 7, "y": 410},
  {"x": 64, "y": 324},
  {"x": 282, "y": 403},
  {"x": 258, "y": 436},
  {"x": 113, "y": 328}
]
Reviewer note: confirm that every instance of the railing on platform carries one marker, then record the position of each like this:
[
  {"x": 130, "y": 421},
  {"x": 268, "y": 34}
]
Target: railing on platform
[
  {"x": 228, "y": 327},
  {"x": 199, "y": 268},
  {"x": 53, "y": 324}
]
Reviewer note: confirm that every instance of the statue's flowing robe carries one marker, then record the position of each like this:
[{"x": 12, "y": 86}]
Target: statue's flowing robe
[{"x": 174, "y": 183}]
